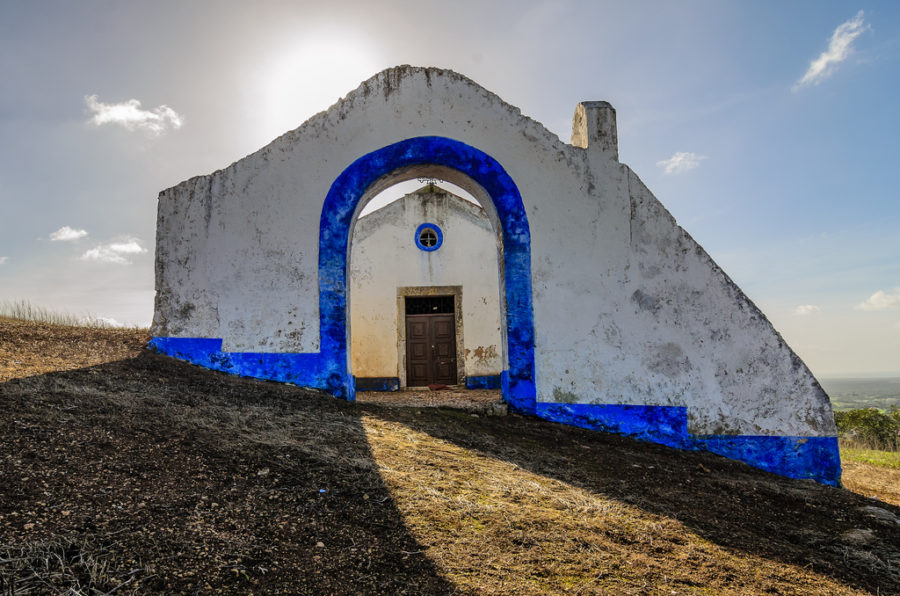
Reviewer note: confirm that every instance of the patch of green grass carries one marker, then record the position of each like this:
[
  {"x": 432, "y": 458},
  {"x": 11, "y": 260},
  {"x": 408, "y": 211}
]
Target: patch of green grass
[{"x": 875, "y": 457}]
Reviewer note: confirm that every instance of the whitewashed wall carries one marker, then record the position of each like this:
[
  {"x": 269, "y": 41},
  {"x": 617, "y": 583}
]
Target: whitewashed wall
[{"x": 628, "y": 309}]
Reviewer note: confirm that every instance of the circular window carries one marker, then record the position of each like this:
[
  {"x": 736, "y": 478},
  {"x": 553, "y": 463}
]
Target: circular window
[{"x": 429, "y": 237}]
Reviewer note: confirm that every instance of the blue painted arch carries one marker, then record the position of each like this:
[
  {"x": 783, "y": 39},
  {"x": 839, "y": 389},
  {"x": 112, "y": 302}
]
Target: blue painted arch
[
  {"x": 328, "y": 369},
  {"x": 336, "y": 222}
]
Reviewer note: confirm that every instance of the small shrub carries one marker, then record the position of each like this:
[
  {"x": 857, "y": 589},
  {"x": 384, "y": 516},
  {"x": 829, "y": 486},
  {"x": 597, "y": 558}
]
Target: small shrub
[{"x": 870, "y": 428}]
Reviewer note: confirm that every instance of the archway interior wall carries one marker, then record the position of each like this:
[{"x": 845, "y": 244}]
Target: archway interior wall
[
  {"x": 636, "y": 329},
  {"x": 386, "y": 266},
  {"x": 439, "y": 172}
]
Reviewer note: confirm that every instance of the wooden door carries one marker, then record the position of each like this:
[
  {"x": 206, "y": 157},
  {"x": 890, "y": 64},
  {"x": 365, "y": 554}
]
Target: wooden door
[{"x": 430, "y": 349}]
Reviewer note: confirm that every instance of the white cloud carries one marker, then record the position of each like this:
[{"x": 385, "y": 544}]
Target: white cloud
[
  {"x": 839, "y": 48},
  {"x": 130, "y": 115},
  {"x": 67, "y": 234},
  {"x": 880, "y": 301},
  {"x": 681, "y": 162},
  {"x": 114, "y": 252},
  {"x": 3, "y": 260},
  {"x": 807, "y": 309}
]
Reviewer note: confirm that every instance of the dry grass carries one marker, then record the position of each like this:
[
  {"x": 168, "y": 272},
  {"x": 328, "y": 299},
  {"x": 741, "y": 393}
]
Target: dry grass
[
  {"x": 23, "y": 310},
  {"x": 189, "y": 481},
  {"x": 31, "y": 348},
  {"x": 72, "y": 567},
  {"x": 873, "y": 473},
  {"x": 872, "y": 481},
  {"x": 495, "y": 528}
]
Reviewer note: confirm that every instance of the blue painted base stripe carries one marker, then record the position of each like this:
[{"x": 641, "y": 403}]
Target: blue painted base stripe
[
  {"x": 656, "y": 423},
  {"x": 308, "y": 370},
  {"x": 484, "y": 382},
  {"x": 816, "y": 458}
]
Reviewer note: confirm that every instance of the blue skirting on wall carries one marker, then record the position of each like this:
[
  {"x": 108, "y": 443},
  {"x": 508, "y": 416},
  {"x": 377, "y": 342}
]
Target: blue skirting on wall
[
  {"x": 485, "y": 382},
  {"x": 307, "y": 370},
  {"x": 815, "y": 458}
]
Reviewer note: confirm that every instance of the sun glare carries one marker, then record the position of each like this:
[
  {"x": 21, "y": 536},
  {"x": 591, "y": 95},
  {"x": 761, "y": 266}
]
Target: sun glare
[{"x": 308, "y": 77}]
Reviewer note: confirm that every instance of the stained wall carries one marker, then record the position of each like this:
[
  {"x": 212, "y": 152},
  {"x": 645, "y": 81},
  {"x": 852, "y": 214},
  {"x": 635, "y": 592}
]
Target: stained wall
[{"x": 384, "y": 258}]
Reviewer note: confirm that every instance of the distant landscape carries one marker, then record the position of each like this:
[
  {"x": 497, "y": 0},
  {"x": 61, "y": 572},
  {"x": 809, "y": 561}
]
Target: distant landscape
[{"x": 853, "y": 393}]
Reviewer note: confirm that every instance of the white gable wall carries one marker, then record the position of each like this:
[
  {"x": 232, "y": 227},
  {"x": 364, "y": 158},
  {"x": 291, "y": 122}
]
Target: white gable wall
[{"x": 627, "y": 308}]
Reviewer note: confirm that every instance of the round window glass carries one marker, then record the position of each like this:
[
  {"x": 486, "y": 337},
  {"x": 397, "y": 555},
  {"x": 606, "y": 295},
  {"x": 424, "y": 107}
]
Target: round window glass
[{"x": 429, "y": 237}]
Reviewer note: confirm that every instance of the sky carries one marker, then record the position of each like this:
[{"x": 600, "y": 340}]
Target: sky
[{"x": 768, "y": 128}]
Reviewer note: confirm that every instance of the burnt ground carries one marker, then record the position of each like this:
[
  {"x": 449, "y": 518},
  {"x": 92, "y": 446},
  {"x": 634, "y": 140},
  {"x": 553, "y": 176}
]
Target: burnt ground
[{"x": 122, "y": 471}]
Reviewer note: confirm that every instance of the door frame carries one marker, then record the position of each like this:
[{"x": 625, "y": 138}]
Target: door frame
[{"x": 456, "y": 292}]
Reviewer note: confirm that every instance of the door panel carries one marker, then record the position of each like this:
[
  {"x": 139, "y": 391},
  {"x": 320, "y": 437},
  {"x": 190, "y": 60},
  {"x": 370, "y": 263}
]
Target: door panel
[
  {"x": 443, "y": 327},
  {"x": 443, "y": 338},
  {"x": 418, "y": 351},
  {"x": 430, "y": 350}
]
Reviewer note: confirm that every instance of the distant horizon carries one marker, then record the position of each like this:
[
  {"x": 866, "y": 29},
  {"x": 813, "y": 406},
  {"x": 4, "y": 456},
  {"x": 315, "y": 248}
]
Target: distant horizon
[{"x": 876, "y": 375}]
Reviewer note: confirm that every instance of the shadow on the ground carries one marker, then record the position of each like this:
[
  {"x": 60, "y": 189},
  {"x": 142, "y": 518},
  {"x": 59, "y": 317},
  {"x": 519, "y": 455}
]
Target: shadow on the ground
[
  {"x": 188, "y": 480},
  {"x": 168, "y": 478},
  {"x": 724, "y": 501}
]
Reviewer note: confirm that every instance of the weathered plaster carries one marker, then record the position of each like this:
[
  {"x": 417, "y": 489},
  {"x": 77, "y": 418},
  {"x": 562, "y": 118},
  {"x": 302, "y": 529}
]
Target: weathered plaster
[{"x": 605, "y": 300}]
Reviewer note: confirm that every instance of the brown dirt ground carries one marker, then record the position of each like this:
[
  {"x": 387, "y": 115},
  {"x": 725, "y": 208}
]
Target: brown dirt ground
[
  {"x": 479, "y": 401},
  {"x": 125, "y": 471}
]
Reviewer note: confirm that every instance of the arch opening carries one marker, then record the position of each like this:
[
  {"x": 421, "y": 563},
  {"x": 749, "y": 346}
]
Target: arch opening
[
  {"x": 485, "y": 179},
  {"x": 425, "y": 312},
  {"x": 401, "y": 189}
]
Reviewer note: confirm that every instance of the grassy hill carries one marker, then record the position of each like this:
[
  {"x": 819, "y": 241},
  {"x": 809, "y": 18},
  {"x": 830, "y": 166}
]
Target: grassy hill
[{"x": 124, "y": 470}]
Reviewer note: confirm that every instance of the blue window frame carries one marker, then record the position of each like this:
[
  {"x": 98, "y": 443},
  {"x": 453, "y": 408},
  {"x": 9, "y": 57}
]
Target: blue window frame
[{"x": 429, "y": 237}]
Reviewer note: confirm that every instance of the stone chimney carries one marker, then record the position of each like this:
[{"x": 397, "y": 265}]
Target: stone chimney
[{"x": 594, "y": 128}]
